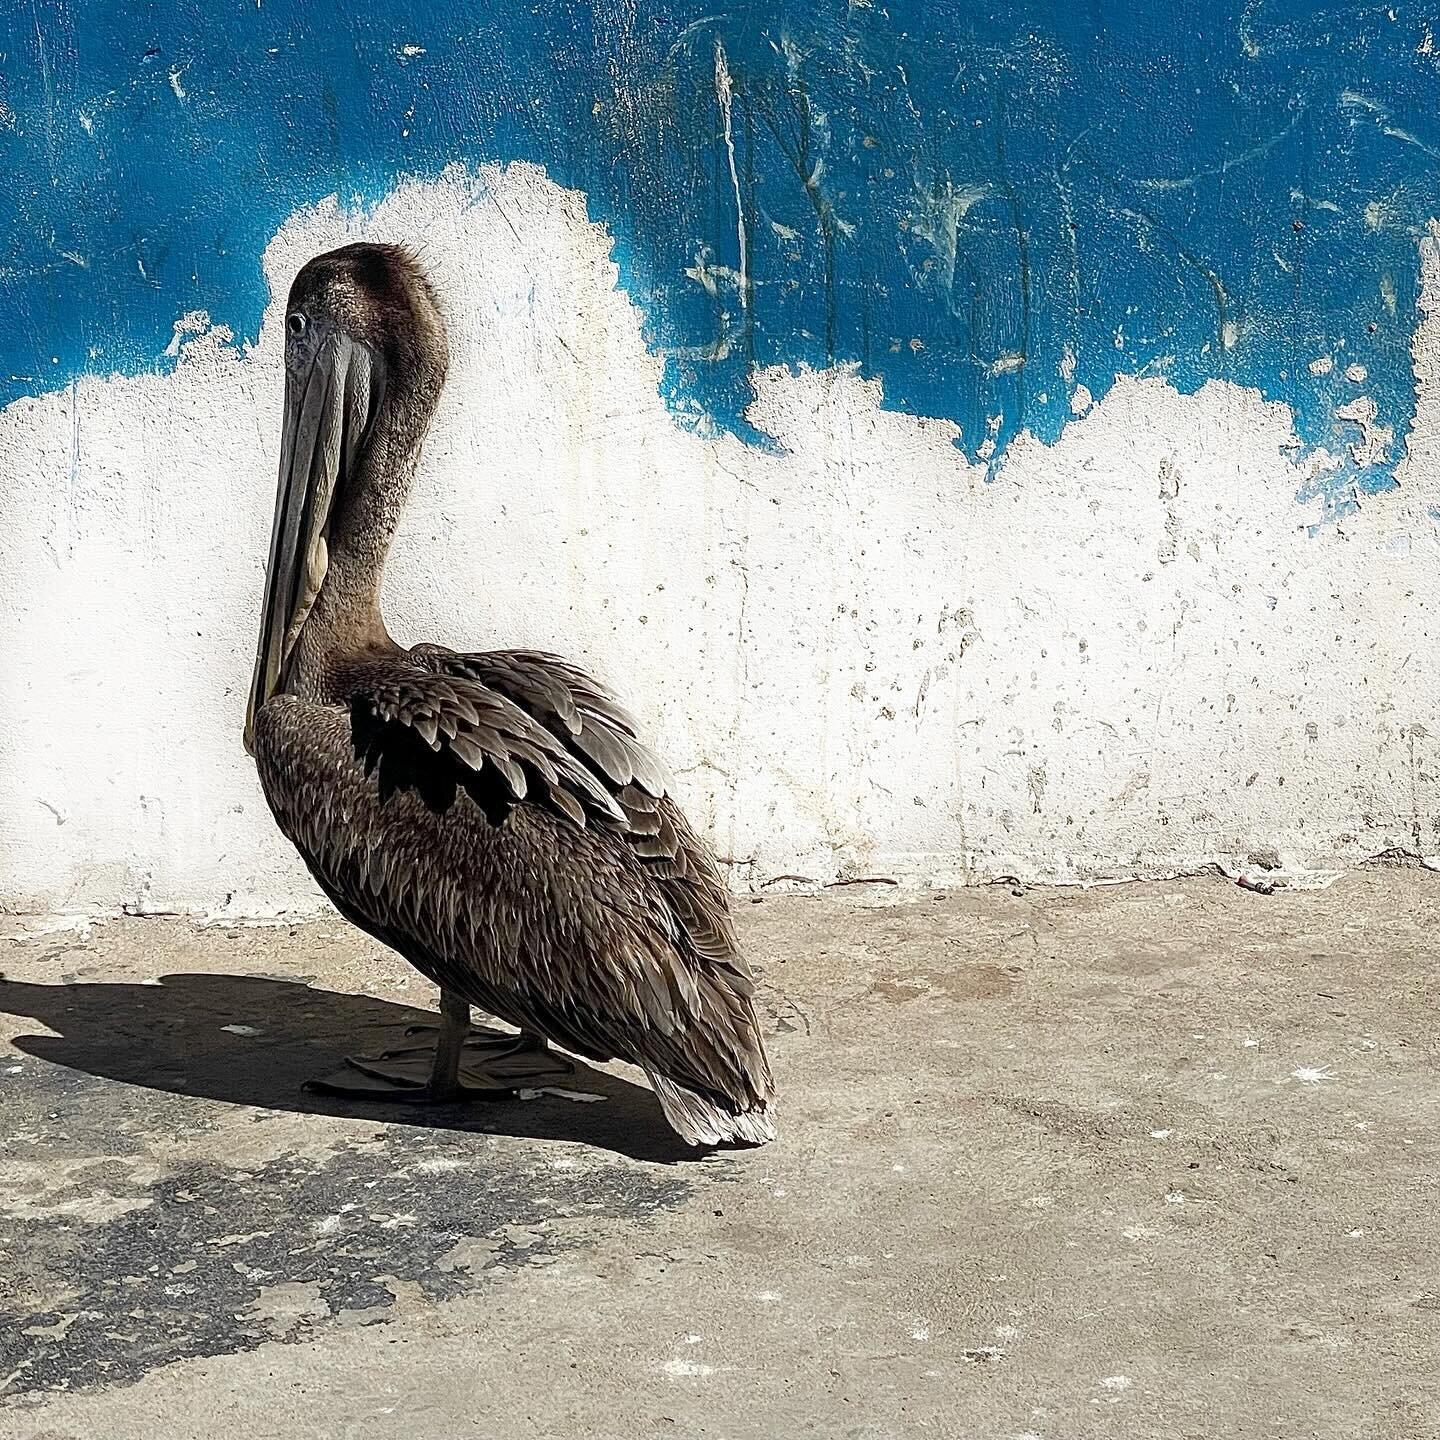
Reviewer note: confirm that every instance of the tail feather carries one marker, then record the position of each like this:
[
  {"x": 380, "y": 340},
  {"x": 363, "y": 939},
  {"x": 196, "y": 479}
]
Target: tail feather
[{"x": 700, "y": 1120}]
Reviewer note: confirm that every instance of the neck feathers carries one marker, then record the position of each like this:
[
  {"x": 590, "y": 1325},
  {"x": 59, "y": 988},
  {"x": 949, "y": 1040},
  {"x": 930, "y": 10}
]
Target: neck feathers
[{"x": 370, "y": 500}]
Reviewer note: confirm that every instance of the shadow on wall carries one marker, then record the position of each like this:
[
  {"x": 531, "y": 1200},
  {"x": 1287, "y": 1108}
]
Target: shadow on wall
[{"x": 173, "y": 1037}]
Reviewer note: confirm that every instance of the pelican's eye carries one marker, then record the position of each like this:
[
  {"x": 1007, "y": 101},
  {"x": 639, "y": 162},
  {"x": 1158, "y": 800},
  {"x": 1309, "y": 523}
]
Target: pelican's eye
[{"x": 297, "y": 323}]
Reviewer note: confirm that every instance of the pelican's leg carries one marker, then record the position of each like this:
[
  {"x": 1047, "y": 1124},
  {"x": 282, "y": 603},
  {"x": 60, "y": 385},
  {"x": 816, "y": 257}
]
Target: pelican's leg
[
  {"x": 454, "y": 1027},
  {"x": 461, "y": 1064}
]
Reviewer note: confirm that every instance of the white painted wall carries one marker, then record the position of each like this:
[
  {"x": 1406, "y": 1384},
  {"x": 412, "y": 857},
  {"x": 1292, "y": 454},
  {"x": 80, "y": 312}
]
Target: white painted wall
[{"x": 1124, "y": 656}]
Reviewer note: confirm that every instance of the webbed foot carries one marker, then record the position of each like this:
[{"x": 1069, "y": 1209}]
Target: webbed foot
[{"x": 459, "y": 1064}]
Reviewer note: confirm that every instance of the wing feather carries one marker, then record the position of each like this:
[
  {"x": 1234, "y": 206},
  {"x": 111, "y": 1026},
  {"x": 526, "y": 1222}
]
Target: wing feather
[
  {"x": 459, "y": 718},
  {"x": 594, "y": 727}
]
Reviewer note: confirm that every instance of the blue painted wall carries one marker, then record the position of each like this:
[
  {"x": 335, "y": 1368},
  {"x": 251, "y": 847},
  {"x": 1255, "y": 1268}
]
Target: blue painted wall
[{"x": 953, "y": 195}]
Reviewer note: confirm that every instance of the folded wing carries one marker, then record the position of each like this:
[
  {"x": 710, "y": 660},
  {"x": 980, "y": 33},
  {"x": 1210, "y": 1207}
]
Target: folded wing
[{"x": 582, "y": 905}]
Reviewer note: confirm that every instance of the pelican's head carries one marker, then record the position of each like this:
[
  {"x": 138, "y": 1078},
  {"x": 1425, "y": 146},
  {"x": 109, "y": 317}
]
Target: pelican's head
[{"x": 365, "y": 357}]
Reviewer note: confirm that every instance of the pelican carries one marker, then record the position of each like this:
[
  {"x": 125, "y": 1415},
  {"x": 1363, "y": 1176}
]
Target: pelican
[{"x": 493, "y": 817}]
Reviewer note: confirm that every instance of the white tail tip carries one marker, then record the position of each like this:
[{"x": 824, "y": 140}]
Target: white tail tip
[{"x": 699, "y": 1120}]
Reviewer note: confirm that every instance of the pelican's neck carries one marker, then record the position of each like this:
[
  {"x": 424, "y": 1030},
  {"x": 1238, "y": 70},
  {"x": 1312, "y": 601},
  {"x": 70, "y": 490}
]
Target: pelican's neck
[{"x": 346, "y": 619}]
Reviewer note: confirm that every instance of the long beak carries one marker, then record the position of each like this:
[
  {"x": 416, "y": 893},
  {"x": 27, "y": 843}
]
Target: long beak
[{"x": 331, "y": 393}]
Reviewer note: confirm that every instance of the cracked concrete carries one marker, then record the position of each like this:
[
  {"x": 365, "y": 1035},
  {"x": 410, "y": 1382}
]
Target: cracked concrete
[{"x": 1152, "y": 1160}]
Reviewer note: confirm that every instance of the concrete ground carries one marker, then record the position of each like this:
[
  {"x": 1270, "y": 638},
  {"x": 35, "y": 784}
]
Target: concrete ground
[{"x": 1153, "y": 1160}]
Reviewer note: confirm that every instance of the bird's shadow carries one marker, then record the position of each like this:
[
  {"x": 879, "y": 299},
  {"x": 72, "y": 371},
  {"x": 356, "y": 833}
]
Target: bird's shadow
[{"x": 257, "y": 1040}]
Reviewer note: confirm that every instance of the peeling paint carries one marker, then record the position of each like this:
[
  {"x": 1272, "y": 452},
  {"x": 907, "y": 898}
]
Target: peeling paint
[
  {"x": 950, "y": 200},
  {"x": 1158, "y": 650}
]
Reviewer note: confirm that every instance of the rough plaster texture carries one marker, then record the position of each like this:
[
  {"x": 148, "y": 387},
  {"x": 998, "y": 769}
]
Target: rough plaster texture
[
  {"x": 1132, "y": 1163},
  {"x": 1125, "y": 654},
  {"x": 948, "y": 196}
]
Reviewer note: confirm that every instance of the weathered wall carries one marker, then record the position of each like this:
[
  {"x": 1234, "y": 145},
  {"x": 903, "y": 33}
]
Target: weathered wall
[{"x": 931, "y": 536}]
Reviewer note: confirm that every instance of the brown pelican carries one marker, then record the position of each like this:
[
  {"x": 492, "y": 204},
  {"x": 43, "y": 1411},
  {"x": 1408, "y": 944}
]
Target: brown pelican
[{"x": 493, "y": 817}]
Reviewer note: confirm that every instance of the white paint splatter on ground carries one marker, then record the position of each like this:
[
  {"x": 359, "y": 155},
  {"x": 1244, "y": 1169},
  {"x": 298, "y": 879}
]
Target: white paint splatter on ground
[
  {"x": 1311, "y": 1075},
  {"x": 687, "y": 1368}
]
